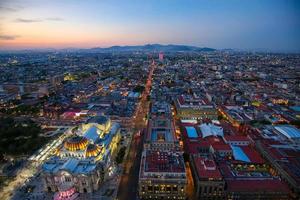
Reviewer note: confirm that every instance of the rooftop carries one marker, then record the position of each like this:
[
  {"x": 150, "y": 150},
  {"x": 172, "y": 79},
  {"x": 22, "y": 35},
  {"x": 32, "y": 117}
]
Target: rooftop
[
  {"x": 191, "y": 132},
  {"x": 160, "y": 108},
  {"x": 211, "y": 129},
  {"x": 290, "y": 132},
  {"x": 239, "y": 138},
  {"x": 156, "y": 161},
  {"x": 71, "y": 165},
  {"x": 206, "y": 168},
  {"x": 98, "y": 120},
  {"x": 239, "y": 154},
  {"x": 192, "y": 101},
  {"x": 256, "y": 186},
  {"x": 92, "y": 134}
]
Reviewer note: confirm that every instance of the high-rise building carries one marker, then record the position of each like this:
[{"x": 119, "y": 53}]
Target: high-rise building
[{"x": 161, "y": 56}]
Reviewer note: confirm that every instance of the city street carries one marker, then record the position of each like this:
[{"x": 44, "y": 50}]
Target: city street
[{"x": 129, "y": 180}]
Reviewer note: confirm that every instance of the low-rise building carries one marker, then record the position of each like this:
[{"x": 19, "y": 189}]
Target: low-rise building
[
  {"x": 162, "y": 175},
  {"x": 192, "y": 107},
  {"x": 208, "y": 180},
  {"x": 162, "y": 172}
]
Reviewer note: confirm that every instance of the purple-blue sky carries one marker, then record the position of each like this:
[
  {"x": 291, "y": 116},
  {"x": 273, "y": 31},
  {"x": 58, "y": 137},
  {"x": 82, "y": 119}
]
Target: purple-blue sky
[{"x": 242, "y": 24}]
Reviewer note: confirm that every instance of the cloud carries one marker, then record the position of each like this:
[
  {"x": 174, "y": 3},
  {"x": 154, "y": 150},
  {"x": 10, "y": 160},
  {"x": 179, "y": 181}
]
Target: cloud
[
  {"x": 8, "y": 9},
  {"x": 21, "y": 20},
  {"x": 8, "y": 37},
  {"x": 54, "y": 19}
]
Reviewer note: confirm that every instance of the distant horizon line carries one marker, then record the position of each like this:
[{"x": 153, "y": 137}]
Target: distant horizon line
[{"x": 37, "y": 49}]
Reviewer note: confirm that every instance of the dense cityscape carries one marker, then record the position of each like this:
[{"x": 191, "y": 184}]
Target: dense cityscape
[
  {"x": 204, "y": 124},
  {"x": 150, "y": 100}
]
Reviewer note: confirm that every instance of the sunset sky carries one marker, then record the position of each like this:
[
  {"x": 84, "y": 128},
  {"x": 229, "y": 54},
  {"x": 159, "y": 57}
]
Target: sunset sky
[{"x": 253, "y": 24}]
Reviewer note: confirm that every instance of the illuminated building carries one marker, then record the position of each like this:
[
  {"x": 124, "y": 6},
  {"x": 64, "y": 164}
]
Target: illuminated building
[
  {"x": 236, "y": 115},
  {"x": 162, "y": 175},
  {"x": 81, "y": 163},
  {"x": 192, "y": 108},
  {"x": 161, "y": 131},
  {"x": 280, "y": 101},
  {"x": 209, "y": 183},
  {"x": 162, "y": 170}
]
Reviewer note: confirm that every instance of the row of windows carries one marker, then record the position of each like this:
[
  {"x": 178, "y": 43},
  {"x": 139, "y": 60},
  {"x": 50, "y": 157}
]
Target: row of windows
[
  {"x": 239, "y": 143},
  {"x": 65, "y": 179},
  {"x": 164, "y": 197},
  {"x": 197, "y": 112},
  {"x": 169, "y": 175},
  {"x": 211, "y": 190},
  {"x": 162, "y": 188}
]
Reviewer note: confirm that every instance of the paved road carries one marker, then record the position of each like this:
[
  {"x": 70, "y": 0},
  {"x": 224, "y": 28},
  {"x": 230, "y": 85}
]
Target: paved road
[{"x": 129, "y": 180}]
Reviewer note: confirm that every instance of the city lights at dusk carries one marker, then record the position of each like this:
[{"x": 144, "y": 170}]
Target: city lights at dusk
[{"x": 149, "y": 99}]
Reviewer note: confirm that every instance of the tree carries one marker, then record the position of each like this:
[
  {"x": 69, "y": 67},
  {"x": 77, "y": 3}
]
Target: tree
[
  {"x": 139, "y": 88},
  {"x": 19, "y": 138},
  {"x": 120, "y": 155},
  {"x": 186, "y": 157}
]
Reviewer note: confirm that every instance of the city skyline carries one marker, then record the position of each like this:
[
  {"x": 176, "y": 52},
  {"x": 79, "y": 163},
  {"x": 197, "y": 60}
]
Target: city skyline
[{"x": 253, "y": 25}]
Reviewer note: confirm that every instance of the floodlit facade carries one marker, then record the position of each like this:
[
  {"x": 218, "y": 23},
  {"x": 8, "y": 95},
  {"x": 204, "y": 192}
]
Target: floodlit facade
[
  {"x": 209, "y": 183},
  {"x": 80, "y": 164},
  {"x": 162, "y": 175},
  {"x": 162, "y": 172},
  {"x": 192, "y": 107}
]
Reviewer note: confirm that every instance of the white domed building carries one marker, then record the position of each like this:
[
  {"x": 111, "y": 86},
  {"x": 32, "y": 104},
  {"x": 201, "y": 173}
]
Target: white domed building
[{"x": 81, "y": 162}]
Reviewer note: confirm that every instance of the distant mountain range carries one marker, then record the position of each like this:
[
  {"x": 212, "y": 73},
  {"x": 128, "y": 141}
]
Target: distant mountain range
[
  {"x": 144, "y": 48},
  {"x": 151, "y": 47}
]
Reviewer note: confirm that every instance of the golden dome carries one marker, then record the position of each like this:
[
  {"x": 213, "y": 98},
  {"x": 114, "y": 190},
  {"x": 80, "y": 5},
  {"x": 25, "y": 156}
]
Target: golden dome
[
  {"x": 56, "y": 151},
  {"x": 92, "y": 150},
  {"x": 76, "y": 143}
]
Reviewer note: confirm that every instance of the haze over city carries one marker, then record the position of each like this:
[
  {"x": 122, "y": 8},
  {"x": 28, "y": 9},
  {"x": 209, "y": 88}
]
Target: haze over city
[{"x": 266, "y": 25}]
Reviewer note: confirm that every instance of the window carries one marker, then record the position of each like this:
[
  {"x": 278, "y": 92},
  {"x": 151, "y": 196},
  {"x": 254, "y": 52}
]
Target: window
[
  {"x": 182, "y": 189},
  {"x": 67, "y": 178},
  {"x": 175, "y": 189},
  {"x": 205, "y": 190},
  {"x": 168, "y": 189}
]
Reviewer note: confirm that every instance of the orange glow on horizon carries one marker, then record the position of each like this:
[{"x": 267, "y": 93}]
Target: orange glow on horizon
[
  {"x": 47, "y": 35},
  {"x": 53, "y": 43}
]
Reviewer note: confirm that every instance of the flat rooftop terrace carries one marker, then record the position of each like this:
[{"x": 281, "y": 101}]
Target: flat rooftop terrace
[{"x": 163, "y": 162}]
